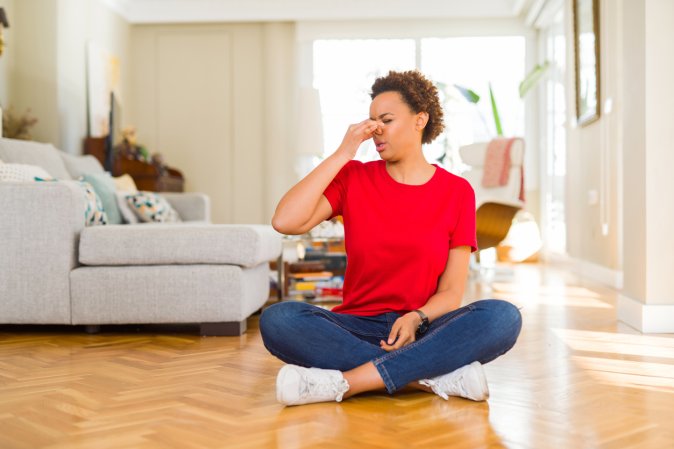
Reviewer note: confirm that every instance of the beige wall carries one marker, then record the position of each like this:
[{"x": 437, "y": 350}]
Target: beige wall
[
  {"x": 33, "y": 80},
  {"x": 81, "y": 21},
  {"x": 215, "y": 101},
  {"x": 627, "y": 158},
  {"x": 280, "y": 112},
  {"x": 593, "y": 156},
  {"x": 7, "y": 59},
  {"x": 47, "y": 73},
  {"x": 647, "y": 301},
  {"x": 659, "y": 116},
  {"x": 634, "y": 135}
]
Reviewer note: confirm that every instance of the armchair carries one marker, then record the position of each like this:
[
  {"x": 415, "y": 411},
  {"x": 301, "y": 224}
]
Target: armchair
[{"x": 495, "y": 206}]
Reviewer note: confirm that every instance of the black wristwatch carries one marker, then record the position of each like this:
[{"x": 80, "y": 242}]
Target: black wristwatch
[{"x": 423, "y": 326}]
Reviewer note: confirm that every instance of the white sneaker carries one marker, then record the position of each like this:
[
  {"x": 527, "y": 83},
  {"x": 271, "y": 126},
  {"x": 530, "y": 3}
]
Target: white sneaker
[
  {"x": 467, "y": 382},
  {"x": 296, "y": 385}
]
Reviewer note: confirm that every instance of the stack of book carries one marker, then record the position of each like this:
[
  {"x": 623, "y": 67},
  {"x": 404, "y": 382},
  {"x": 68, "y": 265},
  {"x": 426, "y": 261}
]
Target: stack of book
[
  {"x": 334, "y": 262},
  {"x": 320, "y": 285}
]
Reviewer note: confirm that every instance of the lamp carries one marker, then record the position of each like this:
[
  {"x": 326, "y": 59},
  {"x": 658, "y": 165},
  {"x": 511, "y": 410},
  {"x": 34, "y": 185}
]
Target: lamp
[
  {"x": 3, "y": 24},
  {"x": 309, "y": 130}
]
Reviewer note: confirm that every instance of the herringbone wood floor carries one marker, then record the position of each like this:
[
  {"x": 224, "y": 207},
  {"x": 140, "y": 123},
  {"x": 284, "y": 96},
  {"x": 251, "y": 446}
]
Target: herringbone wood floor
[{"x": 576, "y": 379}]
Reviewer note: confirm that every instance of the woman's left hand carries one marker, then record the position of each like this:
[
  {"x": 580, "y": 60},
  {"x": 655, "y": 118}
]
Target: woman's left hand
[{"x": 403, "y": 332}]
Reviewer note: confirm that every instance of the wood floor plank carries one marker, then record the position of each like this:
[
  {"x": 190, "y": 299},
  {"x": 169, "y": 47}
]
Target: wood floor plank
[{"x": 576, "y": 379}]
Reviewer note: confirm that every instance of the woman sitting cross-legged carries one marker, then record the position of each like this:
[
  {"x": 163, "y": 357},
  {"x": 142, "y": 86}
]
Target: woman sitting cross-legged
[{"x": 409, "y": 231}]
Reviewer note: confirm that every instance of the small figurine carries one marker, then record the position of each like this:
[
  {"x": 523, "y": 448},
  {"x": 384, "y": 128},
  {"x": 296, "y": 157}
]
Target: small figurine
[{"x": 129, "y": 147}]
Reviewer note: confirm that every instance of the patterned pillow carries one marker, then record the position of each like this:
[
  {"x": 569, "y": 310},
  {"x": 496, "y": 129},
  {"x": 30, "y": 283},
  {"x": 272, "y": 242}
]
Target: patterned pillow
[
  {"x": 152, "y": 207},
  {"x": 94, "y": 214},
  {"x": 104, "y": 187},
  {"x": 128, "y": 215},
  {"x": 21, "y": 173}
]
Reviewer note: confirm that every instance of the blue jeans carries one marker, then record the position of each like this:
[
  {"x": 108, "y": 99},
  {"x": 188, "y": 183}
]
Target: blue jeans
[{"x": 306, "y": 335}]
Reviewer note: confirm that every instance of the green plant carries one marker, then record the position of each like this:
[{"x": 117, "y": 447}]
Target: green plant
[
  {"x": 529, "y": 82},
  {"x": 494, "y": 111},
  {"x": 533, "y": 77}
]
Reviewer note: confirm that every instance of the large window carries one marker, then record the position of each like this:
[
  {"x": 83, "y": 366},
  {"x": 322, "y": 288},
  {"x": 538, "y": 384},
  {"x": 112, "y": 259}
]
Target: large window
[
  {"x": 475, "y": 63},
  {"x": 345, "y": 69},
  {"x": 554, "y": 152}
]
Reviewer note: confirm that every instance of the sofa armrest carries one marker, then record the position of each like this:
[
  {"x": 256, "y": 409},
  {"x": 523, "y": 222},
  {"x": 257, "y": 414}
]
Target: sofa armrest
[
  {"x": 190, "y": 206},
  {"x": 40, "y": 224}
]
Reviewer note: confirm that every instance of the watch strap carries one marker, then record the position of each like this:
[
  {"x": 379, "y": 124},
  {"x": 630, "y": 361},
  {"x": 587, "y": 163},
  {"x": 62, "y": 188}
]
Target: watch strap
[
  {"x": 423, "y": 326},
  {"x": 424, "y": 317}
]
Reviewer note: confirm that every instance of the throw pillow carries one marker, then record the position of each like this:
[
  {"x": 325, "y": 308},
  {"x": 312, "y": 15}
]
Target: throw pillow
[
  {"x": 105, "y": 189},
  {"x": 21, "y": 173},
  {"x": 152, "y": 207},
  {"x": 125, "y": 183},
  {"x": 127, "y": 213},
  {"x": 94, "y": 214}
]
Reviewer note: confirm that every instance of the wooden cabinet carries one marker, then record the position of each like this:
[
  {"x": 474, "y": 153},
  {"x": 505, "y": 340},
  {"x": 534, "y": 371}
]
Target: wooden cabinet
[{"x": 147, "y": 176}]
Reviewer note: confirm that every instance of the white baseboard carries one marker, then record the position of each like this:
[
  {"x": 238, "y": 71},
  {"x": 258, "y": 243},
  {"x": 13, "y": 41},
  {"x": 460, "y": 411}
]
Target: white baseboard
[
  {"x": 647, "y": 318},
  {"x": 589, "y": 270}
]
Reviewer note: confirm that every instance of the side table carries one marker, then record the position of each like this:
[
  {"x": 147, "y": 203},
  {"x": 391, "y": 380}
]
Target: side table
[{"x": 294, "y": 250}]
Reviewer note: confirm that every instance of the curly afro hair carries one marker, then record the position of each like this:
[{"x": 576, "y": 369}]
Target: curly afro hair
[{"x": 419, "y": 93}]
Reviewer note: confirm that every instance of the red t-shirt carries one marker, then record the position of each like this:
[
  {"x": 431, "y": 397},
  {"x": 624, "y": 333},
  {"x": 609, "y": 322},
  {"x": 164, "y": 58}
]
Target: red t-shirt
[{"x": 398, "y": 236}]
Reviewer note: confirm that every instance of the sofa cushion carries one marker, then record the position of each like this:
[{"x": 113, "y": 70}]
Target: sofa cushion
[
  {"x": 180, "y": 243},
  {"x": 167, "y": 293},
  {"x": 34, "y": 153},
  {"x": 81, "y": 165},
  {"x": 21, "y": 173}
]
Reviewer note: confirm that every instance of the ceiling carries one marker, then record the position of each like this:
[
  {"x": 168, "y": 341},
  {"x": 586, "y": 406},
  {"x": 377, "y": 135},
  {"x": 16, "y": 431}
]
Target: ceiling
[{"x": 191, "y": 11}]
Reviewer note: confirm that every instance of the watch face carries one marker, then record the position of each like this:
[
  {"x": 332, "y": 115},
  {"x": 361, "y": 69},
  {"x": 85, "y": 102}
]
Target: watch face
[{"x": 423, "y": 327}]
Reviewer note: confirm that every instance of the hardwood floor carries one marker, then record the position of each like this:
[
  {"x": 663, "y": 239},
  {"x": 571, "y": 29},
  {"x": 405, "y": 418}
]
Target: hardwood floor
[{"x": 575, "y": 379}]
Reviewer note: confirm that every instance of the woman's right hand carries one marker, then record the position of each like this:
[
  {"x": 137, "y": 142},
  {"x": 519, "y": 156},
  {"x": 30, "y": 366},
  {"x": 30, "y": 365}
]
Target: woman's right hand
[{"x": 355, "y": 135}]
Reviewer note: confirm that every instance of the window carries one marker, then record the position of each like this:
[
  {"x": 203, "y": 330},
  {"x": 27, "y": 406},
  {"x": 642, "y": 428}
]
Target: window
[
  {"x": 344, "y": 70},
  {"x": 474, "y": 63},
  {"x": 554, "y": 152}
]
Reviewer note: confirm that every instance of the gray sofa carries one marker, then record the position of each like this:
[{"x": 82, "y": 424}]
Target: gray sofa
[{"x": 54, "y": 270}]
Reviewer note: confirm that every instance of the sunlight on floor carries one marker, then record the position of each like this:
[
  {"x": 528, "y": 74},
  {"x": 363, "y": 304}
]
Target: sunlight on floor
[
  {"x": 612, "y": 343},
  {"x": 551, "y": 296},
  {"x": 624, "y": 372},
  {"x": 628, "y": 373},
  {"x": 546, "y": 290}
]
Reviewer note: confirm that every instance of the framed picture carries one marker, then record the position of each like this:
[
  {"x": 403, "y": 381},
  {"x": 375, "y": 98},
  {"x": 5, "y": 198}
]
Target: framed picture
[
  {"x": 103, "y": 77},
  {"x": 586, "y": 42}
]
